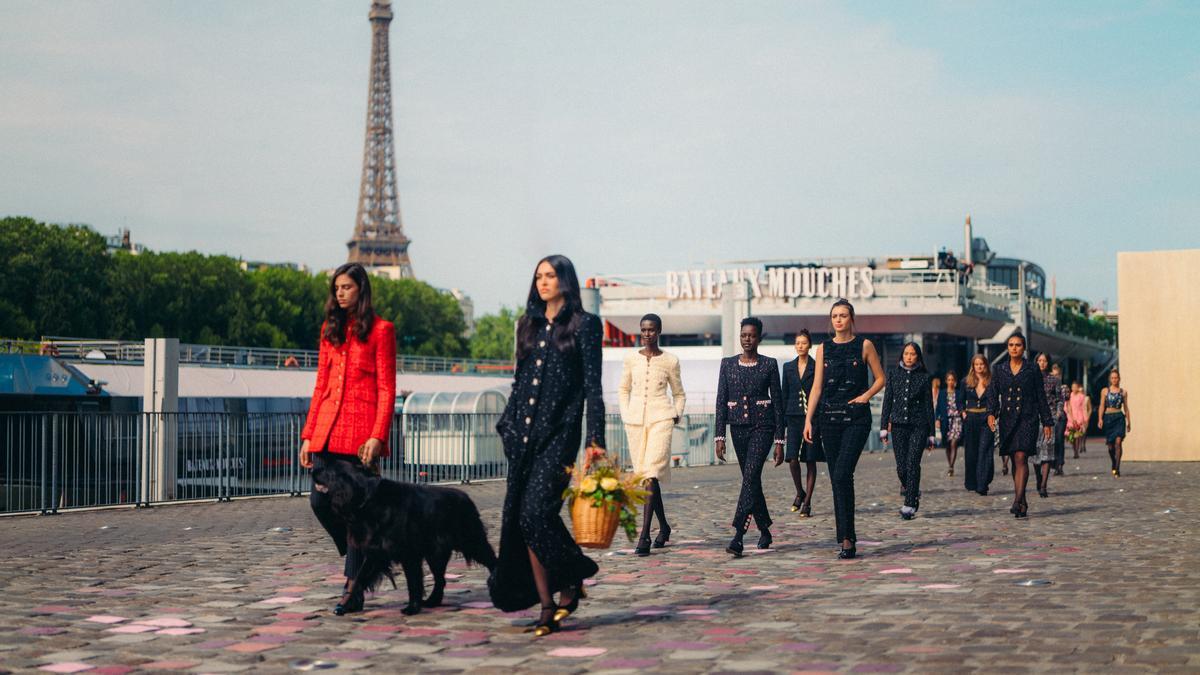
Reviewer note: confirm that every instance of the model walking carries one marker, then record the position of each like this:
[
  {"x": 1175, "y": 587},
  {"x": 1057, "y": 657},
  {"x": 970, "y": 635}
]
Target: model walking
[
  {"x": 798, "y": 377},
  {"x": 1079, "y": 411},
  {"x": 1114, "y": 420},
  {"x": 1044, "y": 460},
  {"x": 1060, "y": 421},
  {"x": 950, "y": 420},
  {"x": 907, "y": 419},
  {"x": 842, "y": 396},
  {"x": 557, "y": 376},
  {"x": 350, "y": 416},
  {"x": 650, "y": 416},
  {"x": 979, "y": 441},
  {"x": 1020, "y": 403},
  {"x": 939, "y": 411},
  {"x": 750, "y": 402}
]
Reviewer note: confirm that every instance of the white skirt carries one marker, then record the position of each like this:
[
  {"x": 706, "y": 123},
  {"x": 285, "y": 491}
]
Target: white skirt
[{"x": 650, "y": 449}]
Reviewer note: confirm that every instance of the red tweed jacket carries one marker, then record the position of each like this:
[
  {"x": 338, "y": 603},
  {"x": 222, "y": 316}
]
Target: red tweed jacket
[{"x": 355, "y": 396}]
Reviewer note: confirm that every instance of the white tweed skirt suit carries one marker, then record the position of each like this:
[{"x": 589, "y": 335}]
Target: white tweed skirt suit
[{"x": 649, "y": 412}]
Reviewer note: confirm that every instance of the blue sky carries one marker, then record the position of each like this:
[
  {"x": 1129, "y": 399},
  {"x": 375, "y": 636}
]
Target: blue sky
[{"x": 631, "y": 136}]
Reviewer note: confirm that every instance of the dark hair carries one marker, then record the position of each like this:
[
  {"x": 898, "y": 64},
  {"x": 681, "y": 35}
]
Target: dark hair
[
  {"x": 652, "y": 317},
  {"x": 950, "y": 373},
  {"x": 920, "y": 368},
  {"x": 804, "y": 333},
  {"x": 567, "y": 321},
  {"x": 363, "y": 312},
  {"x": 842, "y": 302},
  {"x": 753, "y": 321},
  {"x": 1020, "y": 335}
]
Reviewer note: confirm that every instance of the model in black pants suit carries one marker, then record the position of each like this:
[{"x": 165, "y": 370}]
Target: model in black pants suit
[
  {"x": 841, "y": 397},
  {"x": 979, "y": 441},
  {"x": 907, "y": 418},
  {"x": 750, "y": 402}
]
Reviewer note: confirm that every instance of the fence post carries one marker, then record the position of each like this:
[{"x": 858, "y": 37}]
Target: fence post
[
  {"x": 294, "y": 461},
  {"x": 54, "y": 445},
  {"x": 224, "y": 458},
  {"x": 45, "y": 460},
  {"x": 468, "y": 436}
]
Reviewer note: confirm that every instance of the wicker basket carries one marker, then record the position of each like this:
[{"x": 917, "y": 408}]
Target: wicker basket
[{"x": 594, "y": 526}]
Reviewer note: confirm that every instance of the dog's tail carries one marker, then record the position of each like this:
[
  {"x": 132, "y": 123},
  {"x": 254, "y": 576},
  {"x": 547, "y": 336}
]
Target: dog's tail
[
  {"x": 473, "y": 539},
  {"x": 372, "y": 574}
]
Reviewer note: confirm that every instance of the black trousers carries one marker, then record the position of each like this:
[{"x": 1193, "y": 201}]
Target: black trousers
[
  {"x": 1060, "y": 431},
  {"x": 908, "y": 445},
  {"x": 843, "y": 445},
  {"x": 979, "y": 452},
  {"x": 752, "y": 445},
  {"x": 336, "y": 527}
]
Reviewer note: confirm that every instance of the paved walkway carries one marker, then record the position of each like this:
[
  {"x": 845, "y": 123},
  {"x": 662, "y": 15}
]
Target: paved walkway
[{"x": 214, "y": 588}]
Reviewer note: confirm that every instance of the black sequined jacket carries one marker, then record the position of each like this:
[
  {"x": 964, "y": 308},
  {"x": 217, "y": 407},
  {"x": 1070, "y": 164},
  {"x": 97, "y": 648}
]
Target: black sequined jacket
[{"x": 907, "y": 399}]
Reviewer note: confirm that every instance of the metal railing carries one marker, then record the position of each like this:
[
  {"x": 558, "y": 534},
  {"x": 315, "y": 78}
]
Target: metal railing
[
  {"x": 131, "y": 351},
  {"x": 58, "y": 461}
]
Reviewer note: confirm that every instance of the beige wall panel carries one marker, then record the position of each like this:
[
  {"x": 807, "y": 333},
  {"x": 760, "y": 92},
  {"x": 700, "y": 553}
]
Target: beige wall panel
[{"x": 1159, "y": 302}]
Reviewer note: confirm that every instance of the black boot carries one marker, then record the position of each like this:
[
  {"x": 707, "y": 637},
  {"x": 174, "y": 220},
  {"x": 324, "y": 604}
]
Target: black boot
[
  {"x": 765, "y": 539},
  {"x": 735, "y": 545}
]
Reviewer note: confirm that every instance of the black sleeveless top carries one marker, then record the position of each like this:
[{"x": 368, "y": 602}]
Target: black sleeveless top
[{"x": 845, "y": 378}]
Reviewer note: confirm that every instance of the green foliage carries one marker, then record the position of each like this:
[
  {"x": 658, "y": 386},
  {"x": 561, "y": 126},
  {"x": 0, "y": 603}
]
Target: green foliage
[
  {"x": 1078, "y": 324},
  {"x": 63, "y": 281},
  {"x": 495, "y": 335},
  {"x": 54, "y": 280},
  {"x": 428, "y": 322}
]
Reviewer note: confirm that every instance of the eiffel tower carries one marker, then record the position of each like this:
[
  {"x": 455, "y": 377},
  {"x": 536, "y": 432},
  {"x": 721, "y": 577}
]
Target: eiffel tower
[{"x": 379, "y": 243}]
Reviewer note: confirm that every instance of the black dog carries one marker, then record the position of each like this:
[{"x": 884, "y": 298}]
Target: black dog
[{"x": 404, "y": 523}]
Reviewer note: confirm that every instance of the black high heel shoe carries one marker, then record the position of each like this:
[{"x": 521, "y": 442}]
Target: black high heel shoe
[
  {"x": 806, "y": 511},
  {"x": 349, "y": 604},
  {"x": 546, "y": 624},
  {"x": 1022, "y": 509},
  {"x": 847, "y": 553},
  {"x": 643, "y": 548},
  {"x": 796, "y": 505},
  {"x": 563, "y": 611},
  {"x": 664, "y": 535}
]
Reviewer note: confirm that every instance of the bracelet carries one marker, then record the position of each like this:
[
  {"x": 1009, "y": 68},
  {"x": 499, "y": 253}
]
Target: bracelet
[{"x": 719, "y": 438}]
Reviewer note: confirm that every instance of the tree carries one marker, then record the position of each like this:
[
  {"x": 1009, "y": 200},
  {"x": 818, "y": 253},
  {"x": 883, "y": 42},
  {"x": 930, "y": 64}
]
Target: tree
[
  {"x": 428, "y": 322},
  {"x": 494, "y": 335},
  {"x": 55, "y": 280}
]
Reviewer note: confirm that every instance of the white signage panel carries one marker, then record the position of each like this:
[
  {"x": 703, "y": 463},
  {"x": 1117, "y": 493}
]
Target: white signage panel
[{"x": 786, "y": 283}]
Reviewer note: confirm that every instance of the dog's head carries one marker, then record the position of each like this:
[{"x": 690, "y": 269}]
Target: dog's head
[{"x": 348, "y": 487}]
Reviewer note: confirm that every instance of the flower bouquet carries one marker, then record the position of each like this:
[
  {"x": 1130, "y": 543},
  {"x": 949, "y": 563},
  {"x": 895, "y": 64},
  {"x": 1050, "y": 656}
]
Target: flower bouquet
[
  {"x": 601, "y": 496},
  {"x": 1074, "y": 432}
]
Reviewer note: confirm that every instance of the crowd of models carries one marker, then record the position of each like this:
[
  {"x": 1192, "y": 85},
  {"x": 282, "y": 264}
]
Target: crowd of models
[{"x": 818, "y": 411}]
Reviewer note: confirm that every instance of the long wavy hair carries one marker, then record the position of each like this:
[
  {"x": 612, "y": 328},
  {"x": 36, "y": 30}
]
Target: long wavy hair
[
  {"x": 567, "y": 321},
  {"x": 972, "y": 378},
  {"x": 363, "y": 313}
]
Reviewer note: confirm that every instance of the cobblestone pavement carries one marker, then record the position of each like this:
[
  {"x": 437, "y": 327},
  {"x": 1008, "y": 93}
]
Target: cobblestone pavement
[{"x": 212, "y": 588}]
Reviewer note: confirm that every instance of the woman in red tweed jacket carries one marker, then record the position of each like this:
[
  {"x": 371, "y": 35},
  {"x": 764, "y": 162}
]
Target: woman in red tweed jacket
[{"x": 353, "y": 402}]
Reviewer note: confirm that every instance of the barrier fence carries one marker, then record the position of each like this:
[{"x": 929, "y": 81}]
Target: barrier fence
[{"x": 56, "y": 461}]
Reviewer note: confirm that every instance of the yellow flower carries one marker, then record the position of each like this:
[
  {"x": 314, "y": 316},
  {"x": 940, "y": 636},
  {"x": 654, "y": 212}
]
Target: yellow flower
[
  {"x": 609, "y": 483},
  {"x": 588, "y": 485}
]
